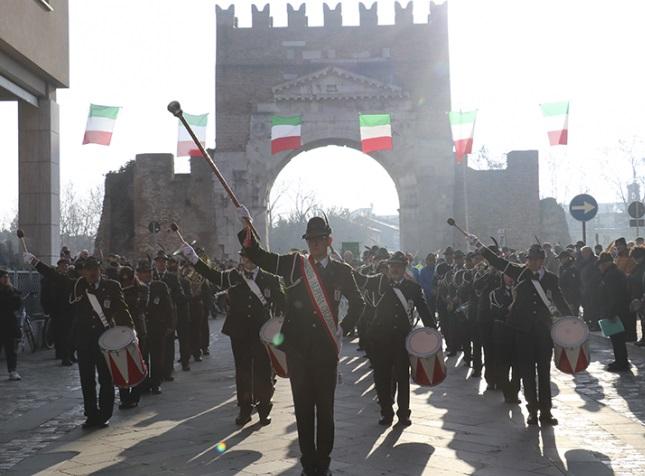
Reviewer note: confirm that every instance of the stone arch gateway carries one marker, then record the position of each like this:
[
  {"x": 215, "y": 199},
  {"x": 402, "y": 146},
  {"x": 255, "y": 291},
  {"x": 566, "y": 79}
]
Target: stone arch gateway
[{"x": 329, "y": 75}]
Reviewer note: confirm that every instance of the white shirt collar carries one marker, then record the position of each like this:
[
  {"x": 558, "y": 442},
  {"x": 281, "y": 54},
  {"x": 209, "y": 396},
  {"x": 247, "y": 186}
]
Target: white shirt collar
[
  {"x": 324, "y": 262},
  {"x": 255, "y": 272}
]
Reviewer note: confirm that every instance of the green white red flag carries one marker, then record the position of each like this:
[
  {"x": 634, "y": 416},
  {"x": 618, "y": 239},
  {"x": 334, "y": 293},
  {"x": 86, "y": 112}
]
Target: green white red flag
[
  {"x": 376, "y": 132},
  {"x": 556, "y": 117},
  {"x": 462, "y": 125},
  {"x": 185, "y": 144},
  {"x": 100, "y": 124},
  {"x": 286, "y": 133}
]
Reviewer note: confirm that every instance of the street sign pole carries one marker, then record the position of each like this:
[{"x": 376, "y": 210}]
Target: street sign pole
[
  {"x": 583, "y": 208},
  {"x": 584, "y": 232}
]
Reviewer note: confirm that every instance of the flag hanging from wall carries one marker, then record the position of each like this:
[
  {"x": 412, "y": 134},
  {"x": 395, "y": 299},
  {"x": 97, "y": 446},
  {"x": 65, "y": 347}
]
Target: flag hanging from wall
[
  {"x": 462, "y": 125},
  {"x": 185, "y": 144},
  {"x": 556, "y": 118},
  {"x": 286, "y": 133},
  {"x": 376, "y": 132},
  {"x": 100, "y": 124}
]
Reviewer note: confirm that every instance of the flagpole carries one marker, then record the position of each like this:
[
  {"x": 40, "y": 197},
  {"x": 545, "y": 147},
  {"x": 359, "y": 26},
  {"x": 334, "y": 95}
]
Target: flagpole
[{"x": 465, "y": 175}]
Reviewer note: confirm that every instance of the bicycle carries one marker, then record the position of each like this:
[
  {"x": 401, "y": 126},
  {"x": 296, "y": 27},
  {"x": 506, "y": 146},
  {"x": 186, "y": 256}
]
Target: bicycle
[
  {"x": 28, "y": 339},
  {"x": 47, "y": 333}
]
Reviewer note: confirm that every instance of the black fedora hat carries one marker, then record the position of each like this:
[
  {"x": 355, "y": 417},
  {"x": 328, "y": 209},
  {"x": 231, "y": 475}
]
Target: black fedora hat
[
  {"x": 317, "y": 227},
  {"x": 398, "y": 258}
]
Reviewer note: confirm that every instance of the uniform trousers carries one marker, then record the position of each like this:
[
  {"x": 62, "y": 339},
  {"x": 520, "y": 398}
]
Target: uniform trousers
[
  {"x": 392, "y": 374},
  {"x": 313, "y": 385},
  {"x": 155, "y": 357},
  {"x": 253, "y": 375},
  {"x": 535, "y": 349},
  {"x": 448, "y": 325},
  {"x": 620, "y": 348},
  {"x": 133, "y": 394},
  {"x": 62, "y": 333},
  {"x": 8, "y": 341},
  {"x": 169, "y": 356},
  {"x": 184, "y": 336},
  {"x": 90, "y": 363},
  {"x": 197, "y": 326}
]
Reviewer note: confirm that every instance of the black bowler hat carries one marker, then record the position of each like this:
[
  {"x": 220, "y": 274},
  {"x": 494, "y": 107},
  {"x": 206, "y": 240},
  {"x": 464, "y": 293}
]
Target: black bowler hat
[
  {"x": 317, "y": 227},
  {"x": 621, "y": 241},
  {"x": 91, "y": 263},
  {"x": 536, "y": 252},
  {"x": 382, "y": 253},
  {"x": 398, "y": 258}
]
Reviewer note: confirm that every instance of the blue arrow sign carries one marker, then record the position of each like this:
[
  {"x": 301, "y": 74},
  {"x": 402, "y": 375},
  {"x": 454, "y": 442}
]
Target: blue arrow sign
[{"x": 583, "y": 207}]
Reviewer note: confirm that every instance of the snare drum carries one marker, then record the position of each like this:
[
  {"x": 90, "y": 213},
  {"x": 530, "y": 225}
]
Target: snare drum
[
  {"x": 120, "y": 347},
  {"x": 425, "y": 348},
  {"x": 570, "y": 344},
  {"x": 271, "y": 336}
]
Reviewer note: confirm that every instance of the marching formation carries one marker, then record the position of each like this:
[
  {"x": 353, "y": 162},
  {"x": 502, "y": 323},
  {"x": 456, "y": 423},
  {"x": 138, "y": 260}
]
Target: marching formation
[{"x": 505, "y": 313}]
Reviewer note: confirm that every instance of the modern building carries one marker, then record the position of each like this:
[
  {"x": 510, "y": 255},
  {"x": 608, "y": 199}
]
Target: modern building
[{"x": 34, "y": 63}]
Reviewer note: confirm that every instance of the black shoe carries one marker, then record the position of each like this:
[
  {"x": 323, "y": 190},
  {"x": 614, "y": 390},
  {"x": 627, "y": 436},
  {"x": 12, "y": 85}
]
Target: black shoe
[
  {"x": 90, "y": 423},
  {"x": 206, "y": 352},
  {"x": 476, "y": 374},
  {"x": 243, "y": 418},
  {"x": 155, "y": 390},
  {"x": 128, "y": 405},
  {"x": 532, "y": 419},
  {"x": 169, "y": 378},
  {"x": 386, "y": 420},
  {"x": 185, "y": 368},
  {"x": 404, "y": 421},
  {"x": 198, "y": 359},
  {"x": 641, "y": 343},
  {"x": 616, "y": 367},
  {"x": 265, "y": 420},
  {"x": 67, "y": 363},
  {"x": 546, "y": 419}
]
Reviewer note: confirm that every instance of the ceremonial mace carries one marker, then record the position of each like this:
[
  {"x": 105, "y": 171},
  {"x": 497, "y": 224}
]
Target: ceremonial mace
[
  {"x": 175, "y": 109},
  {"x": 21, "y": 236},
  {"x": 451, "y": 222}
]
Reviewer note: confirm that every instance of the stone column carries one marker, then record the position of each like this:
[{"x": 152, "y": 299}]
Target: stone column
[{"x": 39, "y": 177}]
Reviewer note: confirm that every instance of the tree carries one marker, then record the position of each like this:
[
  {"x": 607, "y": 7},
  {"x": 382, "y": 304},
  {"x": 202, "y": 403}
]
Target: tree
[
  {"x": 80, "y": 217},
  {"x": 624, "y": 166}
]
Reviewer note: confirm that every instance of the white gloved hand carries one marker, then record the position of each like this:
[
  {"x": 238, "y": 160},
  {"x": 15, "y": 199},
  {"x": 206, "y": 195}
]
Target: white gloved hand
[
  {"x": 244, "y": 214},
  {"x": 189, "y": 253},
  {"x": 474, "y": 241},
  {"x": 29, "y": 258}
]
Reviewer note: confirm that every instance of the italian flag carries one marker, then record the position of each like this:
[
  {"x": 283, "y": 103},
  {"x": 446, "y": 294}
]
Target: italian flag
[
  {"x": 100, "y": 124},
  {"x": 286, "y": 133},
  {"x": 376, "y": 132},
  {"x": 463, "y": 130},
  {"x": 185, "y": 145},
  {"x": 556, "y": 117}
]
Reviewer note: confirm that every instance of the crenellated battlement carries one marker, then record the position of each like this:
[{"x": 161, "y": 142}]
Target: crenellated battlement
[{"x": 298, "y": 17}]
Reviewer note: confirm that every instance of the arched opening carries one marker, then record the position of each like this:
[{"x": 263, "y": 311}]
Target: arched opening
[{"x": 354, "y": 189}]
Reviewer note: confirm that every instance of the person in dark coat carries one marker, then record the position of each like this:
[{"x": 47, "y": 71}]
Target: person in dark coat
[
  {"x": 159, "y": 325},
  {"x": 315, "y": 285},
  {"x": 136, "y": 298},
  {"x": 184, "y": 319},
  {"x": 614, "y": 302},
  {"x": 570, "y": 280},
  {"x": 98, "y": 304},
  {"x": 255, "y": 296},
  {"x": 10, "y": 331},
  {"x": 636, "y": 284},
  {"x": 177, "y": 299},
  {"x": 396, "y": 299},
  {"x": 530, "y": 316},
  {"x": 589, "y": 283},
  {"x": 54, "y": 297}
]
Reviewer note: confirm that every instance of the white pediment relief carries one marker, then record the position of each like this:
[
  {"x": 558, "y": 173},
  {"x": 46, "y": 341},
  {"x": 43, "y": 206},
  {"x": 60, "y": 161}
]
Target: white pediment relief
[{"x": 334, "y": 83}]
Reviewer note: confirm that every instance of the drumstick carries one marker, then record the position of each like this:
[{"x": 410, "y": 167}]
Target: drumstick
[
  {"x": 451, "y": 222},
  {"x": 21, "y": 236},
  {"x": 174, "y": 227}
]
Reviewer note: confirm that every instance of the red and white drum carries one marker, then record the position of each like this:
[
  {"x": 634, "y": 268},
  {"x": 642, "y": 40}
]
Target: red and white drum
[
  {"x": 271, "y": 336},
  {"x": 425, "y": 348},
  {"x": 570, "y": 344},
  {"x": 120, "y": 347}
]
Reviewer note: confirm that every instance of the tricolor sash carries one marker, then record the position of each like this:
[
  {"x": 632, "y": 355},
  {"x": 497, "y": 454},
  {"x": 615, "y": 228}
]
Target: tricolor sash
[{"x": 320, "y": 300}]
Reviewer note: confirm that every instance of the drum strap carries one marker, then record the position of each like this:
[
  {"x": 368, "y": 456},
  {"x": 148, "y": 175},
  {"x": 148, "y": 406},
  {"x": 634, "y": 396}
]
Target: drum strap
[
  {"x": 255, "y": 289},
  {"x": 540, "y": 290},
  {"x": 94, "y": 302}
]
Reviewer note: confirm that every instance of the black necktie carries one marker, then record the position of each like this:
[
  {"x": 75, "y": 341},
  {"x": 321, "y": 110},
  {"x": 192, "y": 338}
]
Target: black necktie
[
  {"x": 249, "y": 275},
  {"x": 536, "y": 276}
]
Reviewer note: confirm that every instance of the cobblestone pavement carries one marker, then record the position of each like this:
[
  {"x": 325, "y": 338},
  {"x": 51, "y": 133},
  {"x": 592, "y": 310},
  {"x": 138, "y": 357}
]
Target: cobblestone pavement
[{"x": 458, "y": 428}]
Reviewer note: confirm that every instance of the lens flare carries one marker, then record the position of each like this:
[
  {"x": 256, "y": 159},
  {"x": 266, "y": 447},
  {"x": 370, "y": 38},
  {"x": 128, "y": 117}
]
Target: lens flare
[
  {"x": 221, "y": 447},
  {"x": 278, "y": 339}
]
